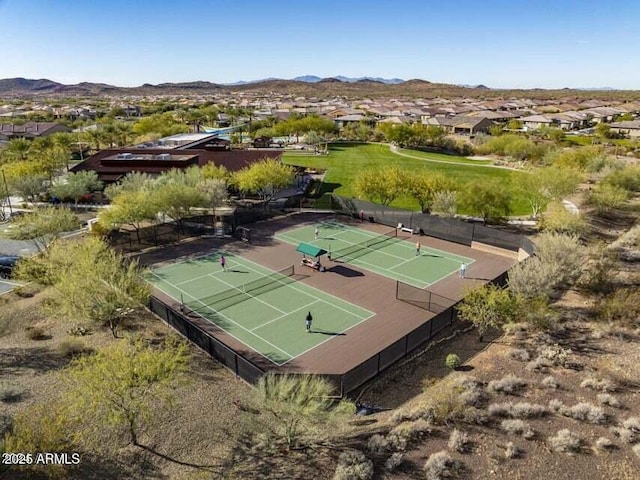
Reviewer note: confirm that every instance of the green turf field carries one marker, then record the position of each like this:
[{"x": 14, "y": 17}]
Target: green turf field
[
  {"x": 393, "y": 257},
  {"x": 268, "y": 317},
  {"x": 345, "y": 161}
]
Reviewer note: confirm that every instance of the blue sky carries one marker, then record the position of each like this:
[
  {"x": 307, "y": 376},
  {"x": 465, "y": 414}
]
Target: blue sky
[{"x": 519, "y": 43}]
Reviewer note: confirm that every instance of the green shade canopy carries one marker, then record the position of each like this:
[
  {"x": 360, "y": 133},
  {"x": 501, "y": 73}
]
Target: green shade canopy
[{"x": 310, "y": 250}]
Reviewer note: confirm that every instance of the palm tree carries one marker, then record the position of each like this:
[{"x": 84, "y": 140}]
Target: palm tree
[
  {"x": 94, "y": 137},
  {"x": 64, "y": 142},
  {"x": 18, "y": 149}
]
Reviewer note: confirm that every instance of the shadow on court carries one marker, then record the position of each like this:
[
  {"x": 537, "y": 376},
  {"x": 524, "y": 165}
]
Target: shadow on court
[
  {"x": 324, "y": 332},
  {"x": 345, "y": 271}
]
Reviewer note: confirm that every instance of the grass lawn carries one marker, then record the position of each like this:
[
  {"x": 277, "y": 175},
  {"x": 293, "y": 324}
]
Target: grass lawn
[{"x": 345, "y": 161}]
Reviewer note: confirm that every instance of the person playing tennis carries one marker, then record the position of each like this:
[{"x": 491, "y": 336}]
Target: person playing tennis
[{"x": 223, "y": 263}]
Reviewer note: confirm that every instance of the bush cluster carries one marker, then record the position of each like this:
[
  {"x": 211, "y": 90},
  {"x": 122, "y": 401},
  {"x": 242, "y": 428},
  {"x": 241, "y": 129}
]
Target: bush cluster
[{"x": 353, "y": 465}]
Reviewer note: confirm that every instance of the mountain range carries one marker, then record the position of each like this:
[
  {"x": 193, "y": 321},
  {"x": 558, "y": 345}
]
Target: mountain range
[{"x": 308, "y": 85}]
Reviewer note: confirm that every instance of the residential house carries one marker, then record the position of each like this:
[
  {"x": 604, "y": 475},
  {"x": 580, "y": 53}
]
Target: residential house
[
  {"x": 31, "y": 130},
  {"x": 461, "y": 124},
  {"x": 629, "y": 128}
]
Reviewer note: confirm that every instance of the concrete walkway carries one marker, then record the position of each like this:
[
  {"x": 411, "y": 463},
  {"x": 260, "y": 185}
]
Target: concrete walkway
[{"x": 394, "y": 149}]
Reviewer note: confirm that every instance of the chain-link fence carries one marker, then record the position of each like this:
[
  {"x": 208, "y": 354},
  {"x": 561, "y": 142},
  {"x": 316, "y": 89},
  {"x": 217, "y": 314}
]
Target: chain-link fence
[{"x": 449, "y": 229}]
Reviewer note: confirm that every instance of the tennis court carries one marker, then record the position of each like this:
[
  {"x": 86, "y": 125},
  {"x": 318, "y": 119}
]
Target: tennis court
[
  {"x": 385, "y": 254},
  {"x": 262, "y": 308}
]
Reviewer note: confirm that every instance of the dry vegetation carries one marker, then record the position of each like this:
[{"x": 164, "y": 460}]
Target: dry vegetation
[{"x": 557, "y": 399}]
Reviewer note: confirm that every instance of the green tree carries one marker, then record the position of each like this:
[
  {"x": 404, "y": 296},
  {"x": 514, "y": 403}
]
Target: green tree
[
  {"x": 603, "y": 130},
  {"x": 265, "y": 178},
  {"x": 132, "y": 182},
  {"x": 381, "y": 185},
  {"x": 424, "y": 185},
  {"x": 177, "y": 193},
  {"x": 487, "y": 199},
  {"x": 488, "y": 306},
  {"x": 300, "y": 408},
  {"x": 28, "y": 186},
  {"x": 129, "y": 208},
  {"x": 17, "y": 149},
  {"x": 122, "y": 388},
  {"x": 97, "y": 285},
  {"x": 43, "y": 225},
  {"x": 76, "y": 185}
]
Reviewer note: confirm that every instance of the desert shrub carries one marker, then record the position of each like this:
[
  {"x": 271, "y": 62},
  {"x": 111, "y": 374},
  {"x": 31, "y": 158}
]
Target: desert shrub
[
  {"x": 550, "y": 382},
  {"x": 441, "y": 465},
  {"x": 511, "y": 385},
  {"x": 608, "y": 399},
  {"x": 604, "y": 444},
  {"x": 36, "y": 333},
  {"x": 605, "y": 197},
  {"x": 602, "y": 385},
  {"x": 9, "y": 393},
  {"x": 564, "y": 251},
  {"x": 622, "y": 307},
  {"x": 511, "y": 451},
  {"x": 72, "y": 347},
  {"x": 627, "y": 178},
  {"x": 445, "y": 203},
  {"x": 518, "y": 427},
  {"x": 471, "y": 390},
  {"x": 538, "y": 364},
  {"x": 453, "y": 361},
  {"x": 557, "y": 355},
  {"x": 566, "y": 441},
  {"x": 599, "y": 274},
  {"x": 516, "y": 410},
  {"x": 459, "y": 441},
  {"x": 629, "y": 432},
  {"x": 556, "y": 405},
  {"x": 353, "y": 465},
  {"x": 393, "y": 462},
  {"x": 628, "y": 245},
  {"x": 400, "y": 416},
  {"x": 78, "y": 330},
  {"x": 520, "y": 354},
  {"x": 560, "y": 220},
  {"x": 585, "y": 412},
  {"x": 405, "y": 433},
  {"x": 377, "y": 444},
  {"x": 533, "y": 278},
  {"x": 40, "y": 428}
]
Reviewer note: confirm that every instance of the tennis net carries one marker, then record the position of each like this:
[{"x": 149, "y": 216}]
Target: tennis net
[
  {"x": 358, "y": 249},
  {"x": 233, "y": 296}
]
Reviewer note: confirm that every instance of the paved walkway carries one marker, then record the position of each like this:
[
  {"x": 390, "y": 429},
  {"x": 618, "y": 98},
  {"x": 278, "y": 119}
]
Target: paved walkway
[{"x": 394, "y": 149}]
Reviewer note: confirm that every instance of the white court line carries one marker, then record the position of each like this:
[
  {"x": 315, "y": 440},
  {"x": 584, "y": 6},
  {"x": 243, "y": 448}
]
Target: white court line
[
  {"x": 227, "y": 318},
  {"x": 292, "y": 286},
  {"x": 332, "y": 336},
  {"x": 285, "y": 315},
  {"x": 291, "y": 357},
  {"x": 450, "y": 257},
  {"x": 233, "y": 287}
]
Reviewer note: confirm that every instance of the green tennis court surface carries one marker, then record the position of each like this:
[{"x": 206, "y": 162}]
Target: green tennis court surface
[
  {"x": 385, "y": 255},
  {"x": 261, "y": 308}
]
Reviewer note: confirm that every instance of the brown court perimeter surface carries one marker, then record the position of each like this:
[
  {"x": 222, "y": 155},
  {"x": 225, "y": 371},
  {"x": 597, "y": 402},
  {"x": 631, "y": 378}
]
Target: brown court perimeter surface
[{"x": 393, "y": 319}]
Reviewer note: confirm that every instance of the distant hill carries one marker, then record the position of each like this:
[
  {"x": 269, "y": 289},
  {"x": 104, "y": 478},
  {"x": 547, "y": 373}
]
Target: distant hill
[
  {"x": 315, "y": 79},
  {"x": 309, "y": 85}
]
